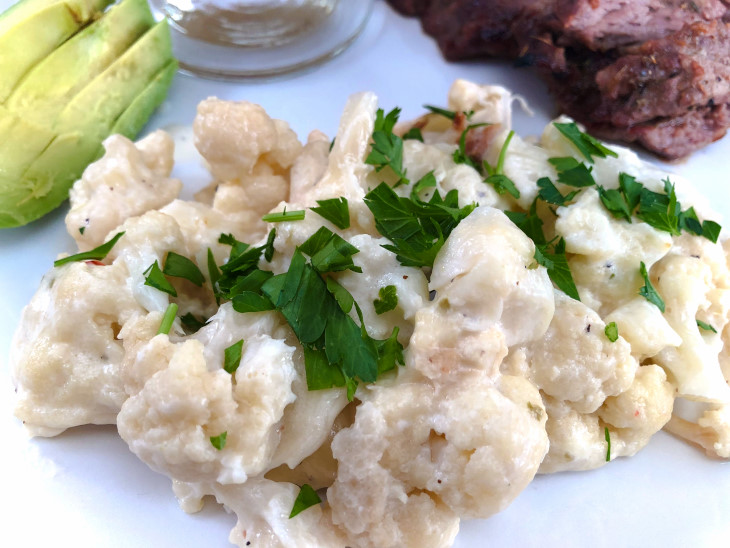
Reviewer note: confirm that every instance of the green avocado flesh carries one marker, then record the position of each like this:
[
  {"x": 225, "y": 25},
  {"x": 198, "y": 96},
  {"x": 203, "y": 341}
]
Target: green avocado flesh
[{"x": 107, "y": 77}]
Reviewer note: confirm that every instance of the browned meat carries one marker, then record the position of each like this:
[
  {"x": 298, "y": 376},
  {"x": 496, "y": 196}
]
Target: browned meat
[{"x": 653, "y": 72}]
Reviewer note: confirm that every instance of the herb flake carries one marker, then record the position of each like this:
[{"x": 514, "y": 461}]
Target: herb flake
[
  {"x": 306, "y": 498},
  {"x": 96, "y": 254}
]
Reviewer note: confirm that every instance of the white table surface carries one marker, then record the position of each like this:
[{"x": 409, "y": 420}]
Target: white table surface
[{"x": 85, "y": 489}]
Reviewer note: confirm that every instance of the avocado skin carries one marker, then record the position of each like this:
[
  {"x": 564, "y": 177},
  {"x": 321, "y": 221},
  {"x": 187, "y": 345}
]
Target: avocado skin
[
  {"x": 32, "y": 29},
  {"x": 120, "y": 98}
]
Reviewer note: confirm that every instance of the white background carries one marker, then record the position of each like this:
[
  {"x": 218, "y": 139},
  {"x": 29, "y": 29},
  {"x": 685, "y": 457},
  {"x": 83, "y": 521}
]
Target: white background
[{"x": 85, "y": 489}]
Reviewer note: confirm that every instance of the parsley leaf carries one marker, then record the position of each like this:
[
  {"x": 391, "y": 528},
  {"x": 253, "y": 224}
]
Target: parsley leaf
[
  {"x": 460, "y": 156},
  {"x": 706, "y": 326},
  {"x": 711, "y": 230},
  {"x": 232, "y": 357},
  {"x": 306, "y": 498},
  {"x": 572, "y": 172},
  {"x": 214, "y": 275},
  {"x": 219, "y": 441},
  {"x": 529, "y": 223},
  {"x": 549, "y": 193},
  {"x": 661, "y": 211},
  {"x": 335, "y": 210},
  {"x": 96, "y": 254},
  {"x": 647, "y": 290},
  {"x": 427, "y": 181},
  {"x": 330, "y": 252},
  {"x": 450, "y": 114},
  {"x": 553, "y": 258},
  {"x": 388, "y": 299},
  {"x": 611, "y": 332},
  {"x": 413, "y": 133},
  {"x": 343, "y": 297},
  {"x": 416, "y": 229},
  {"x": 496, "y": 176},
  {"x": 191, "y": 322},
  {"x": 155, "y": 278},
  {"x": 182, "y": 267},
  {"x": 283, "y": 216},
  {"x": 387, "y": 147},
  {"x": 586, "y": 145},
  {"x": 269, "y": 245},
  {"x": 167, "y": 319}
]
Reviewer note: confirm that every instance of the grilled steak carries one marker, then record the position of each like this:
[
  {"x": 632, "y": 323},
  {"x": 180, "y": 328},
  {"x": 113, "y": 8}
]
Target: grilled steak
[{"x": 653, "y": 72}]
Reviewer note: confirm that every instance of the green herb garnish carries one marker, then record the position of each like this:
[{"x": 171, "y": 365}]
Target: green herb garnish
[
  {"x": 387, "y": 148},
  {"x": 335, "y": 210},
  {"x": 219, "y": 441},
  {"x": 96, "y": 254},
  {"x": 588, "y": 146},
  {"x": 611, "y": 332},
  {"x": 549, "y": 193},
  {"x": 496, "y": 176},
  {"x": 427, "y": 181},
  {"x": 608, "y": 443},
  {"x": 647, "y": 290},
  {"x": 182, "y": 267},
  {"x": 191, "y": 322},
  {"x": 306, "y": 498},
  {"x": 706, "y": 326},
  {"x": 460, "y": 156},
  {"x": 167, "y": 319},
  {"x": 232, "y": 357},
  {"x": 388, "y": 299},
  {"x": 155, "y": 278},
  {"x": 414, "y": 133},
  {"x": 572, "y": 172},
  {"x": 283, "y": 216}
]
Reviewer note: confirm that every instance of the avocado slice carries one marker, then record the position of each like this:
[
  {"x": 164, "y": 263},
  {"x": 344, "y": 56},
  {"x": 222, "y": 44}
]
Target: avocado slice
[
  {"x": 21, "y": 143},
  {"x": 132, "y": 120},
  {"x": 49, "y": 86},
  {"x": 130, "y": 87},
  {"x": 32, "y": 29}
]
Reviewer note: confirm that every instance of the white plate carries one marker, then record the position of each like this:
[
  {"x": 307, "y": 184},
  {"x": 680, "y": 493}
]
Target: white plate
[{"x": 85, "y": 489}]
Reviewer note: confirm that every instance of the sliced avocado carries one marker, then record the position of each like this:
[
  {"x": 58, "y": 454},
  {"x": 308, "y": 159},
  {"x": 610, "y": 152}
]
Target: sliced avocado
[
  {"x": 49, "y": 86},
  {"x": 22, "y": 144},
  {"x": 31, "y": 29},
  {"x": 129, "y": 88},
  {"x": 132, "y": 120}
]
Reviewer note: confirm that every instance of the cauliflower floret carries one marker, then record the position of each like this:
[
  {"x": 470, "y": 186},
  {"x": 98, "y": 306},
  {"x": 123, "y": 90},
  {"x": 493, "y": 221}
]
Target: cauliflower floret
[
  {"x": 127, "y": 181},
  {"x": 607, "y": 251},
  {"x": 169, "y": 423},
  {"x": 309, "y": 167},
  {"x": 688, "y": 287},
  {"x": 65, "y": 355},
  {"x": 486, "y": 255},
  {"x": 576, "y": 362},
  {"x": 711, "y": 432},
  {"x": 644, "y": 327},
  {"x": 578, "y": 440}
]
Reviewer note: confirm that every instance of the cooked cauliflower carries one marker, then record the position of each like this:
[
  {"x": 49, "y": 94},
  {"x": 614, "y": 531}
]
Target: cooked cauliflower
[
  {"x": 496, "y": 372},
  {"x": 130, "y": 179}
]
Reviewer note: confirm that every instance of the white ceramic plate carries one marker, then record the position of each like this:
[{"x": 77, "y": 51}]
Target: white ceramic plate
[{"x": 85, "y": 489}]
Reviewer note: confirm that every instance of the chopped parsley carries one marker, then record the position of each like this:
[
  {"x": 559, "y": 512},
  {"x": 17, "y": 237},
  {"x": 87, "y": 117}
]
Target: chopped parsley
[
  {"x": 387, "y": 147},
  {"x": 416, "y": 229},
  {"x": 214, "y": 275},
  {"x": 167, "y": 319},
  {"x": 191, "y": 322},
  {"x": 706, "y": 326},
  {"x": 611, "y": 332},
  {"x": 414, "y": 133},
  {"x": 232, "y": 357},
  {"x": 607, "y": 435},
  {"x": 182, "y": 267},
  {"x": 450, "y": 114},
  {"x": 335, "y": 210},
  {"x": 585, "y": 144},
  {"x": 306, "y": 498},
  {"x": 572, "y": 172},
  {"x": 269, "y": 245},
  {"x": 387, "y": 299},
  {"x": 155, "y": 278},
  {"x": 496, "y": 176},
  {"x": 427, "y": 181},
  {"x": 460, "y": 156},
  {"x": 549, "y": 193},
  {"x": 219, "y": 441},
  {"x": 283, "y": 216},
  {"x": 647, "y": 290},
  {"x": 82, "y": 229},
  {"x": 330, "y": 252},
  {"x": 96, "y": 254}
]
